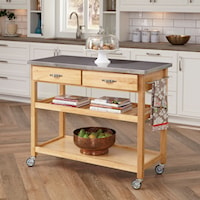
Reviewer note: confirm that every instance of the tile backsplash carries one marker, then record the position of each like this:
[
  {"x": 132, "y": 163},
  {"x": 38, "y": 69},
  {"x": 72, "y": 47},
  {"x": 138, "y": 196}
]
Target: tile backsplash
[
  {"x": 167, "y": 23},
  {"x": 21, "y": 21}
]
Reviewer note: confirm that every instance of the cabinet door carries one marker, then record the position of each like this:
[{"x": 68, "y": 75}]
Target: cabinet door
[
  {"x": 188, "y": 84},
  {"x": 74, "y": 50},
  {"x": 161, "y": 56},
  {"x": 13, "y": 4},
  {"x": 41, "y": 22},
  {"x": 171, "y": 2},
  {"x": 42, "y": 50}
]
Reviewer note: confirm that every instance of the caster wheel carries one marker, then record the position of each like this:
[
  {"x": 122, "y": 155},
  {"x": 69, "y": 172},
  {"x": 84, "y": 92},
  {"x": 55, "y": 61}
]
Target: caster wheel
[
  {"x": 159, "y": 169},
  {"x": 137, "y": 184},
  {"x": 30, "y": 161}
]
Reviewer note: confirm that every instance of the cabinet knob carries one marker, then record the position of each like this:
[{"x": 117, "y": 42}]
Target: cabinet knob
[
  {"x": 56, "y": 75},
  {"x": 108, "y": 81}
]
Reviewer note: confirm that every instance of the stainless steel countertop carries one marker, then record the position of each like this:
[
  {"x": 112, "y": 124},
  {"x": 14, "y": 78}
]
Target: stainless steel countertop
[
  {"x": 125, "y": 44},
  {"x": 85, "y": 63}
]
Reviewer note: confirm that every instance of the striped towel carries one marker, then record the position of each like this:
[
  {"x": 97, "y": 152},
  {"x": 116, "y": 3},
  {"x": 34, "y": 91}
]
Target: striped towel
[{"x": 159, "y": 111}]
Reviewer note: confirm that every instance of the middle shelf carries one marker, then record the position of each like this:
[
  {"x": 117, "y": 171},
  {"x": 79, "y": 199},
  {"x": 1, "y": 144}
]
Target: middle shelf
[{"x": 129, "y": 116}]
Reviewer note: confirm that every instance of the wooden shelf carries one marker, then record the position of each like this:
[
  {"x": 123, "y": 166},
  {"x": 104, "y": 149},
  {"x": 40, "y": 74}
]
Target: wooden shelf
[
  {"x": 129, "y": 116},
  {"x": 118, "y": 157}
]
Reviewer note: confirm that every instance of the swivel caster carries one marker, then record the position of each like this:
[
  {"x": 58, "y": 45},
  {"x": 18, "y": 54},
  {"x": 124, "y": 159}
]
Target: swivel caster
[
  {"x": 137, "y": 184},
  {"x": 159, "y": 169},
  {"x": 30, "y": 161}
]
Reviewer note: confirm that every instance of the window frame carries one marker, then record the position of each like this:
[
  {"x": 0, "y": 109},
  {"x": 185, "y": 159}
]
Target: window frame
[{"x": 71, "y": 32}]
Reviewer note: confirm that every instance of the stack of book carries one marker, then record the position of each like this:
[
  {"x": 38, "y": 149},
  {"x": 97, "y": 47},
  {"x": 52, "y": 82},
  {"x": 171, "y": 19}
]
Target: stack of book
[
  {"x": 71, "y": 100},
  {"x": 111, "y": 104}
]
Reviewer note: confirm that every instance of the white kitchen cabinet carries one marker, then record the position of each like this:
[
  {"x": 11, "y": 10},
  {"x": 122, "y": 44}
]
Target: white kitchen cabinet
[
  {"x": 159, "y": 5},
  {"x": 121, "y": 54},
  {"x": 161, "y": 56},
  {"x": 41, "y": 20},
  {"x": 108, "y": 17},
  {"x": 188, "y": 84},
  {"x": 42, "y": 50},
  {"x": 14, "y": 71},
  {"x": 13, "y": 4}
]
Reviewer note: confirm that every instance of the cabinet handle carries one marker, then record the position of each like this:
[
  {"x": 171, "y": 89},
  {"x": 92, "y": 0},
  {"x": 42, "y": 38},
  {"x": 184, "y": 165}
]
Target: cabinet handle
[
  {"x": 115, "y": 54},
  {"x": 3, "y": 61},
  {"x": 3, "y": 77},
  {"x": 56, "y": 75},
  {"x": 3, "y": 45},
  {"x": 108, "y": 81},
  {"x": 180, "y": 64},
  {"x": 153, "y": 54}
]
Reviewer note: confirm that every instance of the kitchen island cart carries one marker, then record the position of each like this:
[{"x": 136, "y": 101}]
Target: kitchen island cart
[{"x": 131, "y": 76}]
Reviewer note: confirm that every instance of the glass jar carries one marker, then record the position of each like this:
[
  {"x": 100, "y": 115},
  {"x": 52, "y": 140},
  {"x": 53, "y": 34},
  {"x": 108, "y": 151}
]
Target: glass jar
[{"x": 102, "y": 42}]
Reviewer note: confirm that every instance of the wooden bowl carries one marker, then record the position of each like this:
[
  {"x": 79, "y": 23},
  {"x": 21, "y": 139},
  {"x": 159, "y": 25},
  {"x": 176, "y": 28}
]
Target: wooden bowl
[
  {"x": 178, "y": 39},
  {"x": 93, "y": 145}
]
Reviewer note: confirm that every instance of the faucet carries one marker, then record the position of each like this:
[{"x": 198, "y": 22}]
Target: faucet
[{"x": 78, "y": 30}]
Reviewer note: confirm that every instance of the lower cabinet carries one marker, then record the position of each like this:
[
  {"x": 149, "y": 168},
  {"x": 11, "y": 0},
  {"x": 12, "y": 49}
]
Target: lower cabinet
[
  {"x": 14, "y": 71},
  {"x": 161, "y": 56},
  {"x": 41, "y": 50},
  {"x": 188, "y": 85}
]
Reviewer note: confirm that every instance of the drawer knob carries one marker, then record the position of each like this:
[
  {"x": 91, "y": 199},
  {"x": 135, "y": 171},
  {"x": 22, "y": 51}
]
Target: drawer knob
[
  {"x": 56, "y": 75},
  {"x": 108, "y": 81}
]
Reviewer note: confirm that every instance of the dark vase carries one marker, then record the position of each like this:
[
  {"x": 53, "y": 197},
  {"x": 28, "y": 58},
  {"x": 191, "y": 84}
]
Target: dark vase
[{"x": 38, "y": 29}]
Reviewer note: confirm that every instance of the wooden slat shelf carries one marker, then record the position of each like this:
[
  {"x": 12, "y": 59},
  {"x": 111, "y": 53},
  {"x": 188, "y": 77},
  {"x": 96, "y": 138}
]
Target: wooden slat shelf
[
  {"x": 129, "y": 116},
  {"x": 118, "y": 157}
]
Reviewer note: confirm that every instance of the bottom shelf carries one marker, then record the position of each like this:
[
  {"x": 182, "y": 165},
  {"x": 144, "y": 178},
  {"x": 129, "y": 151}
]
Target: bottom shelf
[{"x": 118, "y": 157}]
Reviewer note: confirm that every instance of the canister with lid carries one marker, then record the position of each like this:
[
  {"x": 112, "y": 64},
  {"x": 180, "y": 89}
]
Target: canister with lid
[
  {"x": 146, "y": 35},
  {"x": 154, "y": 36},
  {"x": 136, "y": 36}
]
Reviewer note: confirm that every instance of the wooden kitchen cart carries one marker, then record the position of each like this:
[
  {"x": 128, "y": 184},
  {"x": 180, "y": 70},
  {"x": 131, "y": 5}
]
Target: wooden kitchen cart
[{"x": 63, "y": 71}]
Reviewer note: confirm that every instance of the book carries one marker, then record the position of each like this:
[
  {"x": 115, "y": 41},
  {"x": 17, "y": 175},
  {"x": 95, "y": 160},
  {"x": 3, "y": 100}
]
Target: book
[
  {"x": 111, "y": 101},
  {"x": 72, "y": 103},
  {"x": 107, "y": 109},
  {"x": 72, "y": 98},
  {"x": 111, "y": 107}
]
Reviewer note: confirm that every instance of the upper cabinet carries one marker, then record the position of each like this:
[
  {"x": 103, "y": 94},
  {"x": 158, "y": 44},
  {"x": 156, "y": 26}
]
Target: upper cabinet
[
  {"x": 160, "y": 5},
  {"x": 13, "y": 4},
  {"x": 41, "y": 18},
  {"x": 108, "y": 16}
]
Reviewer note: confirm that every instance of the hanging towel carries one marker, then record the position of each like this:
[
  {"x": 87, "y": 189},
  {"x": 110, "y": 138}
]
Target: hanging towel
[{"x": 159, "y": 111}]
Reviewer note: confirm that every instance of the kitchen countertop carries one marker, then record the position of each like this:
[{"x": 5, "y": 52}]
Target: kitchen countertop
[
  {"x": 125, "y": 44},
  {"x": 85, "y": 63}
]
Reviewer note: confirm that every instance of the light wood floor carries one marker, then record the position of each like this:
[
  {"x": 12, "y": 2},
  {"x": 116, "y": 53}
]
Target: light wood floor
[{"x": 60, "y": 179}]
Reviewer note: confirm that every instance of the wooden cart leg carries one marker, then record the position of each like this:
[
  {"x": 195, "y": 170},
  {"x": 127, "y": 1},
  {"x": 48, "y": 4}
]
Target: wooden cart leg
[
  {"x": 62, "y": 115},
  {"x": 163, "y": 146},
  {"x": 140, "y": 129},
  {"x": 34, "y": 113}
]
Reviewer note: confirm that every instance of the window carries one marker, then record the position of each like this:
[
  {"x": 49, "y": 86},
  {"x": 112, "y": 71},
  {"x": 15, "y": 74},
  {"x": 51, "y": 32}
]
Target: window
[{"x": 88, "y": 12}]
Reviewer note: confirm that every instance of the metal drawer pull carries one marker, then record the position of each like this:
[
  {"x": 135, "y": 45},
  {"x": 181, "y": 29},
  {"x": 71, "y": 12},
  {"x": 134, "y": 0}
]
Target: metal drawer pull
[
  {"x": 3, "y": 77},
  {"x": 56, "y": 75},
  {"x": 3, "y": 61},
  {"x": 153, "y": 54},
  {"x": 108, "y": 81},
  {"x": 3, "y": 45}
]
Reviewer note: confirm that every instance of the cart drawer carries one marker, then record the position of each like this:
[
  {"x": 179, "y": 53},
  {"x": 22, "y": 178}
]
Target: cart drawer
[
  {"x": 56, "y": 75},
  {"x": 126, "y": 82}
]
